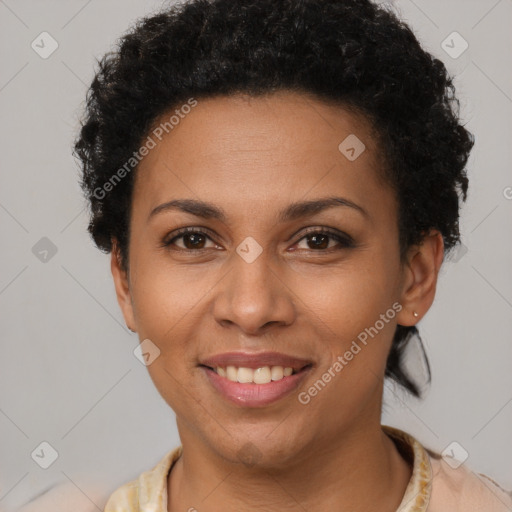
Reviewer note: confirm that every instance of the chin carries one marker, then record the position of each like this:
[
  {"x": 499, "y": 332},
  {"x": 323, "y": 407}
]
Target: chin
[{"x": 269, "y": 449}]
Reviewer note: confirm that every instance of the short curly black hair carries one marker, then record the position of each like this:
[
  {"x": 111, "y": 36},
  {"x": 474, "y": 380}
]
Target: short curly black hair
[{"x": 353, "y": 53}]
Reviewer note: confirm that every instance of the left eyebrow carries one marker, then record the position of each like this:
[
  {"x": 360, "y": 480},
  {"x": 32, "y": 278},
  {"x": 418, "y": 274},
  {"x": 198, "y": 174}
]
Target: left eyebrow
[
  {"x": 291, "y": 212},
  {"x": 305, "y": 208}
]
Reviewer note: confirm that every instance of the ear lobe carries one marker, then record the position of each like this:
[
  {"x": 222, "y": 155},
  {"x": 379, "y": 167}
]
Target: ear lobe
[
  {"x": 421, "y": 272},
  {"x": 122, "y": 286}
]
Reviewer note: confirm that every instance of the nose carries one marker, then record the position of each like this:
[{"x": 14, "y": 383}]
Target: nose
[{"x": 253, "y": 296}]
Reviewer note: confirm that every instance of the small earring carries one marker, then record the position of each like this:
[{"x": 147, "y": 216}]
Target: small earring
[{"x": 415, "y": 314}]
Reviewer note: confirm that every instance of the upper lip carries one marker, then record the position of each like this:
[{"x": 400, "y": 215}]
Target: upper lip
[{"x": 255, "y": 360}]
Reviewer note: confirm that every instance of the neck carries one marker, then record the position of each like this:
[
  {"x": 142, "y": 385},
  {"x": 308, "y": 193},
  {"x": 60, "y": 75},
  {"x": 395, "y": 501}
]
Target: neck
[{"x": 363, "y": 470}]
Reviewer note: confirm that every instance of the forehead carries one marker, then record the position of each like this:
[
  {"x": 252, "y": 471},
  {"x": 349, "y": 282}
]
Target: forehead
[{"x": 259, "y": 151}]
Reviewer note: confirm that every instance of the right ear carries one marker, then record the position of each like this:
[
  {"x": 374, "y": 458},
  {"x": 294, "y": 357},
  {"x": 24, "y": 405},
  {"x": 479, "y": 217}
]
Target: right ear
[{"x": 122, "y": 286}]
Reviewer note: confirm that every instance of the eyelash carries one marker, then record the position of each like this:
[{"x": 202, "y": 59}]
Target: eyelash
[{"x": 345, "y": 241}]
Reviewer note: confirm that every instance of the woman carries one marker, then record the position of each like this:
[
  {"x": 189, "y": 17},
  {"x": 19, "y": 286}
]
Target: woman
[{"x": 278, "y": 183}]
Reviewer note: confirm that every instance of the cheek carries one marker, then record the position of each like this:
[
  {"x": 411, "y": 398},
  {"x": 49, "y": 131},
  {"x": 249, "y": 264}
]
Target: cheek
[
  {"x": 336, "y": 306},
  {"x": 169, "y": 309},
  {"x": 171, "y": 301},
  {"x": 355, "y": 308},
  {"x": 350, "y": 297},
  {"x": 167, "y": 296}
]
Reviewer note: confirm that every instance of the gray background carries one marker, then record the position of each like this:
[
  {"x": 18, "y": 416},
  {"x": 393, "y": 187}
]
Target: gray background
[{"x": 68, "y": 375}]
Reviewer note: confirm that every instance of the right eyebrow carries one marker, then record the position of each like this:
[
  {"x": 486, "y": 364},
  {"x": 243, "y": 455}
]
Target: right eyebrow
[{"x": 198, "y": 208}]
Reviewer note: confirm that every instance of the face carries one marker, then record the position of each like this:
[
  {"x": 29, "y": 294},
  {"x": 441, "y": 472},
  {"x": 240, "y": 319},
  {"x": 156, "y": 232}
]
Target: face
[{"x": 275, "y": 264}]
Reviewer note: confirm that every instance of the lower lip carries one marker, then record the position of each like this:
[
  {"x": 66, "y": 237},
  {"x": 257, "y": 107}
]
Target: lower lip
[{"x": 255, "y": 395}]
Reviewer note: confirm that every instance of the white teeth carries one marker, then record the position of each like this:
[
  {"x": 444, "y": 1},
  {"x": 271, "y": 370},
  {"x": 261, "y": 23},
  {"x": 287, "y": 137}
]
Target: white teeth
[
  {"x": 231, "y": 373},
  {"x": 245, "y": 375},
  {"x": 277, "y": 372},
  {"x": 262, "y": 375}
]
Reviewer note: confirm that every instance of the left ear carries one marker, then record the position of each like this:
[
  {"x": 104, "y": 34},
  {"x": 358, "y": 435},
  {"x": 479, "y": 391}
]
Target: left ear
[{"x": 421, "y": 269}]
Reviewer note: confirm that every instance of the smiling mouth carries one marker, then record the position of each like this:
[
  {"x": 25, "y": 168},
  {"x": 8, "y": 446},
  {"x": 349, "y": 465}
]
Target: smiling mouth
[{"x": 261, "y": 375}]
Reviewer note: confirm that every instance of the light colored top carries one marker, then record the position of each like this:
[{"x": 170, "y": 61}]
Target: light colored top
[{"x": 435, "y": 485}]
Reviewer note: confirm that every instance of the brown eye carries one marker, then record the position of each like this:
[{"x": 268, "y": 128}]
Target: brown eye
[
  {"x": 191, "y": 240},
  {"x": 319, "y": 241}
]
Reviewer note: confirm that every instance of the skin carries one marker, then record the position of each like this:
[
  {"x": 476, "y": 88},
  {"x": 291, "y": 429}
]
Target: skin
[{"x": 253, "y": 157}]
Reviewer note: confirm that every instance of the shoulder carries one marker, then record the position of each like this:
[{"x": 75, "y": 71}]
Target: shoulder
[
  {"x": 148, "y": 490},
  {"x": 443, "y": 484},
  {"x": 124, "y": 498},
  {"x": 67, "y": 496},
  {"x": 461, "y": 489}
]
